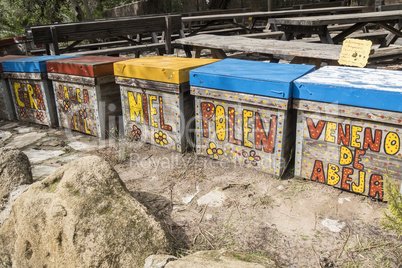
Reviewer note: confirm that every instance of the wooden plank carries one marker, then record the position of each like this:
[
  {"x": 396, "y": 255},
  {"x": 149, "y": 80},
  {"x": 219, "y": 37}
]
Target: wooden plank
[
  {"x": 245, "y": 135},
  {"x": 72, "y": 78},
  {"x": 153, "y": 85},
  {"x": 274, "y": 47},
  {"x": 354, "y": 155},
  {"x": 223, "y": 95},
  {"x": 6, "y": 102},
  {"x": 353, "y": 112},
  {"x": 340, "y": 18},
  {"x": 158, "y": 123},
  {"x": 103, "y": 29},
  {"x": 347, "y": 32},
  {"x": 118, "y": 50},
  {"x": 37, "y": 106},
  {"x": 320, "y": 5},
  {"x": 77, "y": 107},
  {"x": 270, "y": 14},
  {"x": 386, "y": 53},
  {"x": 274, "y": 35},
  {"x": 389, "y": 7},
  {"x": 87, "y": 108}
]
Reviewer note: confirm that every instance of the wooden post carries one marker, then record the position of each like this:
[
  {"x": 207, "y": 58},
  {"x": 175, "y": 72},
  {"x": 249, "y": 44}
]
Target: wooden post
[
  {"x": 270, "y": 5},
  {"x": 54, "y": 46},
  {"x": 168, "y": 35}
]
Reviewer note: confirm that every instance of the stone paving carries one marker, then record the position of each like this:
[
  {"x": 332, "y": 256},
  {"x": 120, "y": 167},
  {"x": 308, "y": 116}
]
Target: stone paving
[{"x": 47, "y": 148}]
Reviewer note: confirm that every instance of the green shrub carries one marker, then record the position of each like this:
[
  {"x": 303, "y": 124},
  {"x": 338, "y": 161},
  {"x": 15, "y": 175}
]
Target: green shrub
[{"x": 392, "y": 219}]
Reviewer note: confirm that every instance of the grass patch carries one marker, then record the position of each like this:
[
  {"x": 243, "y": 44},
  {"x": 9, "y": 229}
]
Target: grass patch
[{"x": 392, "y": 219}]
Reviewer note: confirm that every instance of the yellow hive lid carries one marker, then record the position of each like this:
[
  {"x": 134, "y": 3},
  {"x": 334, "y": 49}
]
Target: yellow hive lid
[{"x": 160, "y": 68}]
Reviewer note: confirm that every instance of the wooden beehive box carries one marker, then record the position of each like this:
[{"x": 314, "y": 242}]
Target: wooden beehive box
[
  {"x": 349, "y": 126},
  {"x": 31, "y": 91},
  {"x": 242, "y": 112},
  {"x": 156, "y": 100},
  {"x": 6, "y": 101},
  {"x": 87, "y": 97}
]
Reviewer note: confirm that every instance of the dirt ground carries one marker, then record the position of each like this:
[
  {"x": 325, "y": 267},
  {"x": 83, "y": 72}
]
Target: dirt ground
[
  {"x": 280, "y": 218},
  {"x": 206, "y": 204}
]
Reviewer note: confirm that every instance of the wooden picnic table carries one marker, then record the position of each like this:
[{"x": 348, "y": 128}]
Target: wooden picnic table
[
  {"x": 297, "y": 52},
  {"x": 312, "y": 53},
  {"x": 389, "y": 20},
  {"x": 212, "y": 19}
]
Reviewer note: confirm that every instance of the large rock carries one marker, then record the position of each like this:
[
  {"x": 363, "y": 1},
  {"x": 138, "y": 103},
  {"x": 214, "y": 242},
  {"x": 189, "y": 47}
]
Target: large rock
[
  {"x": 80, "y": 216},
  {"x": 15, "y": 170},
  {"x": 222, "y": 259}
]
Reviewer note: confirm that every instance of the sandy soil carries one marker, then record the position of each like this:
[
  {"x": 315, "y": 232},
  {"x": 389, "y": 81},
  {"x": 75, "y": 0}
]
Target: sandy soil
[{"x": 281, "y": 218}]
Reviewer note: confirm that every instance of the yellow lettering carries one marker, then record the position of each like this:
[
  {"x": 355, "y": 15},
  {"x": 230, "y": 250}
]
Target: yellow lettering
[
  {"x": 246, "y": 129},
  {"x": 17, "y": 96},
  {"x": 135, "y": 106},
  {"x": 152, "y": 110},
  {"x": 355, "y": 136},
  {"x": 79, "y": 95},
  {"x": 86, "y": 127},
  {"x": 66, "y": 93},
  {"x": 75, "y": 122},
  {"x": 329, "y": 131},
  {"x": 360, "y": 187},
  {"x": 31, "y": 98},
  {"x": 392, "y": 143},
  {"x": 220, "y": 123},
  {"x": 346, "y": 156},
  {"x": 333, "y": 177}
]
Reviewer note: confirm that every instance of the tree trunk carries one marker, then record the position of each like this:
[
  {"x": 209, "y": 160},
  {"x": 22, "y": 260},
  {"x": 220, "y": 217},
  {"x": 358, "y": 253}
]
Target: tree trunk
[
  {"x": 77, "y": 10},
  {"x": 87, "y": 9}
]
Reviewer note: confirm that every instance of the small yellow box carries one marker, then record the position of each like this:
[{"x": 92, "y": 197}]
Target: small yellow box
[{"x": 160, "y": 68}]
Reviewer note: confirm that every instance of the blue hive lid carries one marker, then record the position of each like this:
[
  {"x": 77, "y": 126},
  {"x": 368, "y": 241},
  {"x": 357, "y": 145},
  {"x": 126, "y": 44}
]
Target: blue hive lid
[
  {"x": 369, "y": 88},
  {"x": 252, "y": 77},
  {"x": 31, "y": 65}
]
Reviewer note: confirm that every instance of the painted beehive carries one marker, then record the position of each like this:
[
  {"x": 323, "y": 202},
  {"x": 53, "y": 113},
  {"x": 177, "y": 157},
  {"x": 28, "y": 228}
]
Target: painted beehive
[
  {"x": 242, "y": 112},
  {"x": 156, "y": 99},
  {"x": 87, "y": 97},
  {"x": 31, "y": 91},
  {"x": 349, "y": 126},
  {"x": 6, "y": 101}
]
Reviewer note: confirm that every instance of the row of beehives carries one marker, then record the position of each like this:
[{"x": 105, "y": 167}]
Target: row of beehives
[{"x": 344, "y": 123}]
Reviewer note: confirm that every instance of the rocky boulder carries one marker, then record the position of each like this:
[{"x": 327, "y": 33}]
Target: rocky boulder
[
  {"x": 15, "y": 170},
  {"x": 80, "y": 216}
]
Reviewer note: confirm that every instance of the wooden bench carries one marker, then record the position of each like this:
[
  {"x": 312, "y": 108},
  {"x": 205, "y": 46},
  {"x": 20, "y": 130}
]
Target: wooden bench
[
  {"x": 320, "y": 5},
  {"x": 301, "y": 52},
  {"x": 387, "y": 53},
  {"x": 264, "y": 35},
  {"x": 209, "y": 20},
  {"x": 389, "y": 7},
  {"x": 310, "y": 52},
  {"x": 124, "y": 28}
]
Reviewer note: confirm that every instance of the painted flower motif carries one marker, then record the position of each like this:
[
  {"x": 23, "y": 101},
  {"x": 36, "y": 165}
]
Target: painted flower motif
[
  {"x": 23, "y": 113},
  {"x": 136, "y": 133},
  {"x": 251, "y": 158},
  {"x": 212, "y": 150},
  {"x": 40, "y": 116},
  {"x": 160, "y": 138},
  {"x": 83, "y": 113},
  {"x": 66, "y": 106}
]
